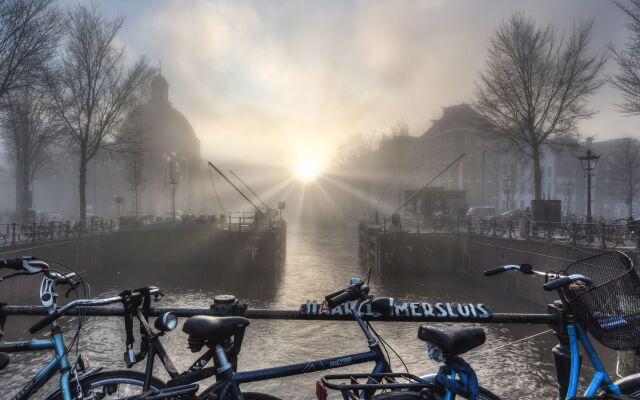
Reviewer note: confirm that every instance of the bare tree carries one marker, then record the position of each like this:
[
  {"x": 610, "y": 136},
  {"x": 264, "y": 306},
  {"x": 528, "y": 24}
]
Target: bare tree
[
  {"x": 534, "y": 88},
  {"x": 29, "y": 129},
  {"x": 624, "y": 172},
  {"x": 627, "y": 79},
  {"x": 132, "y": 147},
  {"x": 29, "y": 34},
  {"x": 93, "y": 91}
]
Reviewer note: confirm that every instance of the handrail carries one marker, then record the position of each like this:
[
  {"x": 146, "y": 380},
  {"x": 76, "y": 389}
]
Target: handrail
[{"x": 258, "y": 313}]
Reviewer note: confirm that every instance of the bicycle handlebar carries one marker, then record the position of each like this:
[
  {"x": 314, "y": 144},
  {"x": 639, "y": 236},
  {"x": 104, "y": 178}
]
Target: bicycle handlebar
[
  {"x": 565, "y": 280},
  {"x": 84, "y": 303}
]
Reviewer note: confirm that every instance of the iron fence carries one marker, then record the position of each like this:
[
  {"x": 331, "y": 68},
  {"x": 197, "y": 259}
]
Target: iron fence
[
  {"x": 605, "y": 235},
  {"x": 15, "y": 233}
]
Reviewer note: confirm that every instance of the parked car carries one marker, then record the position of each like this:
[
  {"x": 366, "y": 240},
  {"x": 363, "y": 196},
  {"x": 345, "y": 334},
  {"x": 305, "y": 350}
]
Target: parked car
[
  {"x": 481, "y": 212},
  {"x": 512, "y": 215}
]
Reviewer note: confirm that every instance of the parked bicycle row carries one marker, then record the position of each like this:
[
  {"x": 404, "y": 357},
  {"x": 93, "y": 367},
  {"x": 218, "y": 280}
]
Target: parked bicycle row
[
  {"x": 53, "y": 230},
  {"x": 605, "y": 234},
  {"x": 599, "y": 295}
]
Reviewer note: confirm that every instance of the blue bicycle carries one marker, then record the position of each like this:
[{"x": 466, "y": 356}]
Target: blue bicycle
[
  {"x": 599, "y": 295},
  {"x": 73, "y": 375}
]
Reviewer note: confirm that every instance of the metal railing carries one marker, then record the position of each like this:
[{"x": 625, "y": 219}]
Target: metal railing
[
  {"x": 604, "y": 235},
  {"x": 15, "y": 233}
]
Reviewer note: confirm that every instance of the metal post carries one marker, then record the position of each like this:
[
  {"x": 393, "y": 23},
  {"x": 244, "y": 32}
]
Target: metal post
[
  {"x": 483, "y": 152},
  {"x": 13, "y": 233},
  {"x": 33, "y": 232},
  {"x": 603, "y": 244},
  {"x": 574, "y": 232},
  {"x": 585, "y": 162}
]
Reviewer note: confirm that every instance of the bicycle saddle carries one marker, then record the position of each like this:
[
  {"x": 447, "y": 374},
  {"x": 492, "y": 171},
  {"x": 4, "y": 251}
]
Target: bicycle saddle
[
  {"x": 453, "y": 342},
  {"x": 4, "y": 360},
  {"x": 214, "y": 330}
]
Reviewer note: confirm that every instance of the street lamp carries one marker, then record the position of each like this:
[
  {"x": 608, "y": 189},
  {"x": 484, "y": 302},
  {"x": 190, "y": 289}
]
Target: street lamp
[
  {"x": 507, "y": 189},
  {"x": 569, "y": 196},
  {"x": 172, "y": 162},
  {"x": 585, "y": 162}
]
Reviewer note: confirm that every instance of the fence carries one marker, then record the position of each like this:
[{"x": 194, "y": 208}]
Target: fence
[
  {"x": 15, "y": 233},
  {"x": 605, "y": 235}
]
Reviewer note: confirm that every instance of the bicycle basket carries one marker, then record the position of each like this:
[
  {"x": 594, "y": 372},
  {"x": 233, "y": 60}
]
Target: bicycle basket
[{"x": 610, "y": 309}]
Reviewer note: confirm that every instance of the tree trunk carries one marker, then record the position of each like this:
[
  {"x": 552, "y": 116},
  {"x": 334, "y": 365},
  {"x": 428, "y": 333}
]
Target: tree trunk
[
  {"x": 537, "y": 175},
  {"x": 82, "y": 185}
]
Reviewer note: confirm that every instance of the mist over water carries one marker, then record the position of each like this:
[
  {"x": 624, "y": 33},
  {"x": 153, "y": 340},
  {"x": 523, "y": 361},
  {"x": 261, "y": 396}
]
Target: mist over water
[{"x": 318, "y": 262}]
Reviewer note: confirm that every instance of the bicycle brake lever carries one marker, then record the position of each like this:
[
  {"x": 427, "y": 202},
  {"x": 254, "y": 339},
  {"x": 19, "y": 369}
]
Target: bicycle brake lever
[
  {"x": 15, "y": 274},
  {"x": 74, "y": 285}
]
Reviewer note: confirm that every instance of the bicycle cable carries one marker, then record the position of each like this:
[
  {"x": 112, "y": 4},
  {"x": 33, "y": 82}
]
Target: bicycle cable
[{"x": 86, "y": 289}]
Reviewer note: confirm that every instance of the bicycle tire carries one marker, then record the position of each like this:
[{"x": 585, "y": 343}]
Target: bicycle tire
[
  {"x": 483, "y": 394},
  {"x": 102, "y": 379}
]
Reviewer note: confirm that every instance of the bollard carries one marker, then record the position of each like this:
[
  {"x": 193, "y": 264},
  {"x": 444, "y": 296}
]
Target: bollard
[
  {"x": 493, "y": 227},
  {"x": 13, "y": 233}
]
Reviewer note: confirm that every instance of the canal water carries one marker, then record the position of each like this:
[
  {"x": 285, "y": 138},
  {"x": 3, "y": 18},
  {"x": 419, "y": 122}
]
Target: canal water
[{"x": 317, "y": 263}]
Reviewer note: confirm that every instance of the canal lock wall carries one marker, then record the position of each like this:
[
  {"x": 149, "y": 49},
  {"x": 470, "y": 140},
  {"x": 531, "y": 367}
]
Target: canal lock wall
[{"x": 151, "y": 251}]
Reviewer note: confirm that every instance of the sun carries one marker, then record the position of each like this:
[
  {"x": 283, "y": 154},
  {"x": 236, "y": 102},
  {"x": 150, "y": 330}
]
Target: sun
[{"x": 308, "y": 170}]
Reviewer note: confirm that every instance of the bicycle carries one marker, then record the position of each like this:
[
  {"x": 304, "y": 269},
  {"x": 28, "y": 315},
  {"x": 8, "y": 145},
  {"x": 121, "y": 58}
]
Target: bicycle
[
  {"x": 599, "y": 295},
  {"x": 70, "y": 374},
  {"x": 454, "y": 378},
  {"x": 222, "y": 337}
]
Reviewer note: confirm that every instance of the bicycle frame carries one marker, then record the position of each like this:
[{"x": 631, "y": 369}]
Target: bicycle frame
[
  {"x": 229, "y": 380},
  {"x": 59, "y": 363},
  {"x": 578, "y": 335}
]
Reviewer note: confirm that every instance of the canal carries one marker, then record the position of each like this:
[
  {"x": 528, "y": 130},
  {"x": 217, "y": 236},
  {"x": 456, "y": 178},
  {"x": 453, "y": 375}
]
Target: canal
[{"x": 317, "y": 263}]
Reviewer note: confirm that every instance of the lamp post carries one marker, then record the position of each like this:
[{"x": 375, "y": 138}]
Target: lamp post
[
  {"x": 569, "y": 196},
  {"x": 483, "y": 153},
  {"x": 588, "y": 167},
  {"x": 172, "y": 162},
  {"x": 507, "y": 189}
]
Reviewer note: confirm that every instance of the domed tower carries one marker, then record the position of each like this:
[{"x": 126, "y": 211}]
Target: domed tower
[{"x": 171, "y": 152}]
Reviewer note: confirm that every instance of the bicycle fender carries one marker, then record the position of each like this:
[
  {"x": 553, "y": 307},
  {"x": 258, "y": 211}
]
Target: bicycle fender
[
  {"x": 627, "y": 379},
  {"x": 72, "y": 382}
]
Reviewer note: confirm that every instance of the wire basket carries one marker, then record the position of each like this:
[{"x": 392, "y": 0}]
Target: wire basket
[{"x": 610, "y": 309}]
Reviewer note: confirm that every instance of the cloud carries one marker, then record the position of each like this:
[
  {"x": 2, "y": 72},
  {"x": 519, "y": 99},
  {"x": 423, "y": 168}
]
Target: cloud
[{"x": 275, "y": 81}]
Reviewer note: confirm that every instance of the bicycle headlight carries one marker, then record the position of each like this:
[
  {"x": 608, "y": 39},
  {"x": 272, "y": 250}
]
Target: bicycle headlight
[{"x": 166, "y": 322}]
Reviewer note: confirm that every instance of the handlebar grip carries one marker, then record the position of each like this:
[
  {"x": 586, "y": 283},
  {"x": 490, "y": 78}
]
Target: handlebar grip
[
  {"x": 557, "y": 283},
  {"x": 334, "y": 294},
  {"x": 44, "y": 322},
  {"x": 14, "y": 263},
  {"x": 494, "y": 271},
  {"x": 565, "y": 280},
  {"x": 349, "y": 294}
]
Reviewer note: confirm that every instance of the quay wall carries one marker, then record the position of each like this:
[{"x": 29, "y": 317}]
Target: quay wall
[
  {"x": 468, "y": 256},
  {"x": 177, "y": 249}
]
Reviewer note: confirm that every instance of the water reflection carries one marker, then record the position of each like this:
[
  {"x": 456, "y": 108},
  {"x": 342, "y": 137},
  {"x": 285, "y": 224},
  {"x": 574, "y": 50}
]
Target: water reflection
[{"x": 317, "y": 263}]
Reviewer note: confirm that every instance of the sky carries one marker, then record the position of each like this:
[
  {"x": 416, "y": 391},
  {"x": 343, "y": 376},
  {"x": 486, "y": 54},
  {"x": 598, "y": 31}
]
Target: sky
[{"x": 288, "y": 82}]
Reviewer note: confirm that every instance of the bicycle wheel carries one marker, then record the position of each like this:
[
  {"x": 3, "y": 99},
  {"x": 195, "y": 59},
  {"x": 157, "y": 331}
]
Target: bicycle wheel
[
  {"x": 483, "y": 395},
  {"x": 110, "y": 385}
]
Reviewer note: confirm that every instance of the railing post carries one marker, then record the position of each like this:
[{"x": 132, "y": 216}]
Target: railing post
[
  {"x": 527, "y": 228},
  {"x": 418, "y": 225},
  {"x": 510, "y": 228},
  {"x": 494, "y": 225},
  {"x": 574, "y": 232},
  {"x": 33, "y": 232},
  {"x": 13, "y": 233},
  {"x": 51, "y": 227},
  {"x": 603, "y": 244}
]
